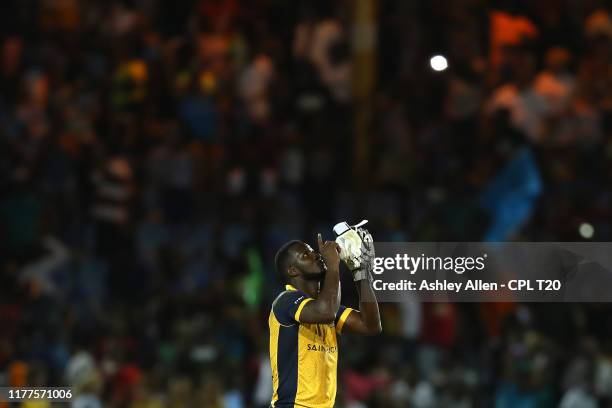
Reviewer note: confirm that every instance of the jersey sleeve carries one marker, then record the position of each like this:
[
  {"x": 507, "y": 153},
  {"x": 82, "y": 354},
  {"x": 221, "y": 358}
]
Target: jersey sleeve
[
  {"x": 288, "y": 306},
  {"x": 341, "y": 316}
]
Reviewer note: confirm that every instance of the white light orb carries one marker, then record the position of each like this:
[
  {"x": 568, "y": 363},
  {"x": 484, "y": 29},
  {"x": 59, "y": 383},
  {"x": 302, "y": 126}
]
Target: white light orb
[
  {"x": 586, "y": 230},
  {"x": 438, "y": 63}
]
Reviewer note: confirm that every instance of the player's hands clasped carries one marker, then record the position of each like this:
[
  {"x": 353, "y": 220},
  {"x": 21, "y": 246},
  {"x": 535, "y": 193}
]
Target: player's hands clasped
[{"x": 330, "y": 251}]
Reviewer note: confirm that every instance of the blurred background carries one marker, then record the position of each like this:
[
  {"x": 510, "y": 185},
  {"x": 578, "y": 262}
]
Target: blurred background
[{"x": 155, "y": 154}]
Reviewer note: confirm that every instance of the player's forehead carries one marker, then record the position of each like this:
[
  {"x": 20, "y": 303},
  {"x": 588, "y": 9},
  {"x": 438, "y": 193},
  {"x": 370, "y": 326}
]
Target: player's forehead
[{"x": 300, "y": 247}]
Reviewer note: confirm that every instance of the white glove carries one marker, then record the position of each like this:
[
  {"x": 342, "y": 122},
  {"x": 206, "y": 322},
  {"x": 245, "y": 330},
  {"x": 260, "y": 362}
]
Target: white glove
[
  {"x": 356, "y": 248},
  {"x": 368, "y": 254}
]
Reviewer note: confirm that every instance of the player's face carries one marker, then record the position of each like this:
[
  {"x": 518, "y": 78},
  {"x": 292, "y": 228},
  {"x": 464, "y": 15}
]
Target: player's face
[{"x": 309, "y": 262}]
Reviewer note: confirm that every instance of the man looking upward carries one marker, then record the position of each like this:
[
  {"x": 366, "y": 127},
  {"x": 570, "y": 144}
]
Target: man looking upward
[{"x": 306, "y": 318}]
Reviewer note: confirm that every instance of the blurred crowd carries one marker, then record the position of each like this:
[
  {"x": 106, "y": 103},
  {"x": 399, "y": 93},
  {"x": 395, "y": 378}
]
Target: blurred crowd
[{"x": 154, "y": 155}]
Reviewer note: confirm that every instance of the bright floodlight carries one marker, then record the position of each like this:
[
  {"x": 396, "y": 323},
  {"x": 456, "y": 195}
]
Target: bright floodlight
[
  {"x": 586, "y": 230},
  {"x": 438, "y": 63}
]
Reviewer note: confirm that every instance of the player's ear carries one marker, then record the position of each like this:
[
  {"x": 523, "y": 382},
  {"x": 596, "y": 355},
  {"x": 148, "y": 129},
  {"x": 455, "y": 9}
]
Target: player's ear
[{"x": 293, "y": 272}]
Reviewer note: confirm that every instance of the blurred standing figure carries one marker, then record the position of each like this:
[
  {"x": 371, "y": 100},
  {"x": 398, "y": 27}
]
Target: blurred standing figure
[{"x": 111, "y": 210}]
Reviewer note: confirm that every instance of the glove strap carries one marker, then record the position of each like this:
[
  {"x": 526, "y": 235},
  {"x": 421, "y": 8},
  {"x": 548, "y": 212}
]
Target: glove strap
[{"x": 360, "y": 274}]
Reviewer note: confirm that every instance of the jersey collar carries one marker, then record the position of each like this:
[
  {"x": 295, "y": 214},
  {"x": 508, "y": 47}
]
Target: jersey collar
[{"x": 290, "y": 287}]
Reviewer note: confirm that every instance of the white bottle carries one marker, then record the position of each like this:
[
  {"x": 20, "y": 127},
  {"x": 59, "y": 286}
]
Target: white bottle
[{"x": 350, "y": 244}]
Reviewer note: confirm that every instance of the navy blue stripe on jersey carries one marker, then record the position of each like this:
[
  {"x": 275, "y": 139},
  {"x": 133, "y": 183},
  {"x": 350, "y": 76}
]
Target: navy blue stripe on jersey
[
  {"x": 286, "y": 304},
  {"x": 287, "y": 365}
]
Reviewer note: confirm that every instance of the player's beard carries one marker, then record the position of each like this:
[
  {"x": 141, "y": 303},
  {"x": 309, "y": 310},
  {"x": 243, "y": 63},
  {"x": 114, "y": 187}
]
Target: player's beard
[{"x": 316, "y": 275}]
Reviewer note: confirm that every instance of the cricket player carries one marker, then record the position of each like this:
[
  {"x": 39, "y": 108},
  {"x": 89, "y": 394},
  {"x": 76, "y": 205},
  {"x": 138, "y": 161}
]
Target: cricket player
[{"x": 306, "y": 318}]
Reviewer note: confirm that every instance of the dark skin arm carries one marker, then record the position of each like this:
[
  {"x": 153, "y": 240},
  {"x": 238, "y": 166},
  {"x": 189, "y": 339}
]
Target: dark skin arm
[
  {"x": 323, "y": 309},
  {"x": 366, "y": 320}
]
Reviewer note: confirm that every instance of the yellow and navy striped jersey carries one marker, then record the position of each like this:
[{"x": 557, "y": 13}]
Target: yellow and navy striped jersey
[{"x": 303, "y": 356}]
